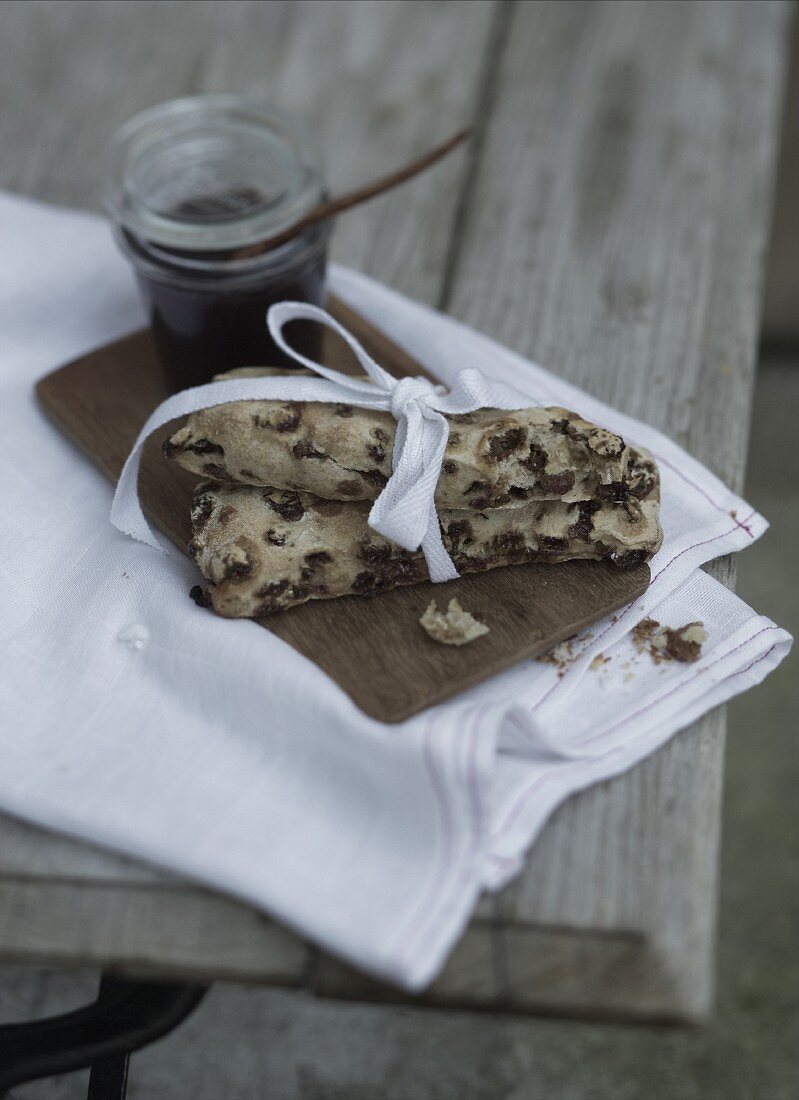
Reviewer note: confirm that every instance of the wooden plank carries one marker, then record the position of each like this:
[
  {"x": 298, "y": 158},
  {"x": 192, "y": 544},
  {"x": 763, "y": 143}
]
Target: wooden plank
[
  {"x": 626, "y": 172},
  {"x": 614, "y": 229},
  {"x": 180, "y": 931},
  {"x": 32, "y": 854},
  {"x": 168, "y": 931},
  {"x": 780, "y": 315},
  {"x": 589, "y": 975},
  {"x": 618, "y": 223}
]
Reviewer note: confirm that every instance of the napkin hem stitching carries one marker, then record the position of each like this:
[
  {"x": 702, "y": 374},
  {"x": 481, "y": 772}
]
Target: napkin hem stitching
[
  {"x": 636, "y": 603},
  {"x": 510, "y": 819}
]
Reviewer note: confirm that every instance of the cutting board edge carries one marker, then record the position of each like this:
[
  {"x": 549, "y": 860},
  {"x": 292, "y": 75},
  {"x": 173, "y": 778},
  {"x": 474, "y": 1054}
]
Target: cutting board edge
[
  {"x": 394, "y": 716},
  {"x": 372, "y": 704}
]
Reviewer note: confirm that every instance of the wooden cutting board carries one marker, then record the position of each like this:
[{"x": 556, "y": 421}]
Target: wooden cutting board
[{"x": 373, "y": 648}]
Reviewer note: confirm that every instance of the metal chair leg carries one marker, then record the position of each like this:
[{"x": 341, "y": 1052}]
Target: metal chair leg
[
  {"x": 108, "y": 1080},
  {"x": 127, "y": 1015}
]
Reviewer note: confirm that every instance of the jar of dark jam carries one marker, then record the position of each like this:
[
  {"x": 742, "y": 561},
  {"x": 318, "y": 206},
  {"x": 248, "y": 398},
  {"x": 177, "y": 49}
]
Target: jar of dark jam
[{"x": 193, "y": 187}]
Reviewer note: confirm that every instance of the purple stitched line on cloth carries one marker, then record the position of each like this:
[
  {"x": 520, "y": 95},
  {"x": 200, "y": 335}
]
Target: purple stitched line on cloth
[
  {"x": 740, "y": 523},
  {"x": 419, "y": 921},
  {"x": 756, "y": 661},
  {"x": 630, "y": 606},
  {"x": 549, "y": 392},
  {"x": 525, "y": 795},
  {"x": 678, "y": 687}
]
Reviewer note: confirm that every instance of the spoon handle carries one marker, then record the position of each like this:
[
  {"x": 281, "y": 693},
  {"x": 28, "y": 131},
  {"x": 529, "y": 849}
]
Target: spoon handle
[{"x": 329, "y": 207}]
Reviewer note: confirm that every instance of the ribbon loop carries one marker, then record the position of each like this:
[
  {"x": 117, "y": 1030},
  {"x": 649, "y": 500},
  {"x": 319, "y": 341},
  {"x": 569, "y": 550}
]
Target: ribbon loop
[
  {"x": 281, "y": 313},
  {"x": 405, "y": 511}
]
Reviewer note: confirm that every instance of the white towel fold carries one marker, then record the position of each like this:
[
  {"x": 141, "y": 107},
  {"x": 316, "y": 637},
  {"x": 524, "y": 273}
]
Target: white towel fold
[{"x": 138, "y": 721}]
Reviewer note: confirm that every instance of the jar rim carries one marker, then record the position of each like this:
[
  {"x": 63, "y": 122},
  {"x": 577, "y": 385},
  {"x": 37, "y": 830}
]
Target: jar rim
[{"x": 211, "y": 172}]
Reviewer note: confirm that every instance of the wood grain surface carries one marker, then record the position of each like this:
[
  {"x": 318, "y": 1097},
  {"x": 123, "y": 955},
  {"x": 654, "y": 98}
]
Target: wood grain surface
[
  {"x": 633, "y": 203},
  {"x": 388, "y": 665},
  {"x": 610, "y": 219}
]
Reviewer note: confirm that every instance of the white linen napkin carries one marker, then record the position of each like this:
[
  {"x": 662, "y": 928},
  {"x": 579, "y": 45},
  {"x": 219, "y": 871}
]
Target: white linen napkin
[{"x": 135, "y": 720}]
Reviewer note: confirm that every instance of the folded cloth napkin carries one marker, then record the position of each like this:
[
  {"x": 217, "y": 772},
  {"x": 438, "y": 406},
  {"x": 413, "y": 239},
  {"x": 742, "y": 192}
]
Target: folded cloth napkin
[{"x": 135, "y": 720}]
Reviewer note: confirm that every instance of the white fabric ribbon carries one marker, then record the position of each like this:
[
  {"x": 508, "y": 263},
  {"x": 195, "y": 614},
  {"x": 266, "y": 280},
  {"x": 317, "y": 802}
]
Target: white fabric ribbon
[{"x": 405, "y": 511}]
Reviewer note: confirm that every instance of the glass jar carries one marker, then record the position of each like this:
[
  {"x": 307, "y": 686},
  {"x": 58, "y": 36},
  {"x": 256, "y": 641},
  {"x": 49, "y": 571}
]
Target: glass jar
[{"x": 192, "y": 186}]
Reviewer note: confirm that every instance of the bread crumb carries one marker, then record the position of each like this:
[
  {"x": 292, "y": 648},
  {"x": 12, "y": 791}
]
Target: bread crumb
[
  {"x": 643, "y": 631},
  {"x": 683, "y": 643},
  {"x": 561, "y": 655},
  {"x": 453, "y": 626},
  {"x": 599, "y": 661}
]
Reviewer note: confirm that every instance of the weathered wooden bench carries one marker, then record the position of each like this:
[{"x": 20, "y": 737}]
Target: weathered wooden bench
[{"x": 610, "y": 220}]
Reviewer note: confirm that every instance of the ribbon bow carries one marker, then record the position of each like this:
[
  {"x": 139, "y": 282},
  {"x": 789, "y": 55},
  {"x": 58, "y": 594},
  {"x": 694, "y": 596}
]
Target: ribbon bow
[{"x": 405, "y": 511}]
